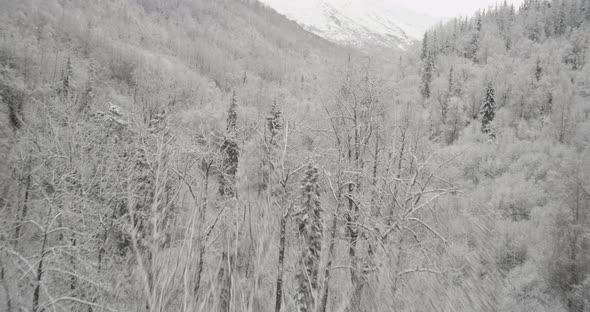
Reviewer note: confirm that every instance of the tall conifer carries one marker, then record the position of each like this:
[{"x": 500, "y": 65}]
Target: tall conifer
[
  {"x": 488, "y": 111},
  {"x": 474, "y": 46},
  {"x": 230, "y": 152},
  {"x": 310, "y": 231},
  {"x": 427, "y": 76},
  {"x": 424, "y": 53}
]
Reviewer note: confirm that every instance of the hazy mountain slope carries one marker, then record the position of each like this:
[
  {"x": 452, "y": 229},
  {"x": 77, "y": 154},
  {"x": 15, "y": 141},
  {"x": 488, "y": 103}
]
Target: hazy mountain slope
[
  {"x": 106, "y": 70},
  {"x": 124, "y": 122},
  {"x": 356, "y": 22}
]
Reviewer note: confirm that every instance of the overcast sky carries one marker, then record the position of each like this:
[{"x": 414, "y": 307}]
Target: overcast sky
[{"x": 450, "y": 8}]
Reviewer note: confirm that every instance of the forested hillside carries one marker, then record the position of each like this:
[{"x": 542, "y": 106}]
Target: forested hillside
[{"x": 210, "y": 155}]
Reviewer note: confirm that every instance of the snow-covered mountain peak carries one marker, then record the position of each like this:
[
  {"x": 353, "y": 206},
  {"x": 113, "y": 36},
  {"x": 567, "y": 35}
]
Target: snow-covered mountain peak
[{"x": 356, "y": 22}]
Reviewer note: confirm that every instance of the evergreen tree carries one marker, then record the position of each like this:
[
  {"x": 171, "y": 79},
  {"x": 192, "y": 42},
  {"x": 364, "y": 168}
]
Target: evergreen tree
[
  {"x": 546, "y": 107},
  {"x": 310, "y": 230},
  {"x": 535, "y": 31},
  {"x": 427, "y": 76},
  {"x": 434, "y": 46},
  {"x": 474, "y": 45},
  {"x": 274, "y": 123},
  {"x": 575, "y": 17},
  {"x": 488, "y": 111},
  {"x": 451, "y": 81},
  {"x": 560, "y": 24},
  {"x": 274, "y": 126},
  {"x": 227, "y": 187},
  {"x": 538, "y": 71},
  {"x": 230, "y": 152},
  {"x": 224, "y": 280},
  {"x": 66, "y": 79},
  {"x": 577, "y": 54},
  {"x": 88, "y": 95},
  {"x": 14, "y": 99},
  {"x": 424, "y": 53}
]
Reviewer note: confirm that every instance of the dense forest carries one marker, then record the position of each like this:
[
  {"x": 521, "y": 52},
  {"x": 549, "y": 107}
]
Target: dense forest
[{"x": 211, "y": 155}]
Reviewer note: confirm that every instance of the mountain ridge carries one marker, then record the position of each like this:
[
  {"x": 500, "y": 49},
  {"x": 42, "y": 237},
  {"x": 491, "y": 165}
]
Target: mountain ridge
[{"x": 355, "y": 22}]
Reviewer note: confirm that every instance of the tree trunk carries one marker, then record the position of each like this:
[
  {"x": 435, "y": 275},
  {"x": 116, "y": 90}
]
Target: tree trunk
[
  {"x": 6, "y": 291},
  {"x": 25, "y": 209},
  {"x": 224, "y": 279},
  {"x": 203, "y": 242},
  {"x": 39, "y": 276},
  {"x": 333, "y": 230},
  {"x": 279, "y": 292}
]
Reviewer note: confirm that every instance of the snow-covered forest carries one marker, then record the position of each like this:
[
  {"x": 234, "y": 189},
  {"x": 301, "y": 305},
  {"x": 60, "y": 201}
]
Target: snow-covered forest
[{"x": 211, "y": 155}]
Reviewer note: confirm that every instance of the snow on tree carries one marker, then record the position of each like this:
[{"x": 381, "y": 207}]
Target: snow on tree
[
  {"x": 274, "y": 121},
  {"x": 424, "y": 53},
  {"x": 488, "y": 111},
  {"x": 538, "y": 71},
  {"x": 427, "y": 76},
  {"x": 88, "y": 94},
  {"x": 451, "y": 81},
  {"x": 310, "y": 231},
  {"x": 230, "y": 151},
  {"x": 474, "y": 44},
  {"x": 273, "y": 126},
  {"x": 66, "y": 79}
]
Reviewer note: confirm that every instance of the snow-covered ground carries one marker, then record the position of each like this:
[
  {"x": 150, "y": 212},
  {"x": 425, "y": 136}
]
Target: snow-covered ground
[{"x": 357, "y": 22}]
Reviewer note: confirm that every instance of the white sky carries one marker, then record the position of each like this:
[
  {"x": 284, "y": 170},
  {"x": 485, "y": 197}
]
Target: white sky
[{"x": 450, "y": 8}]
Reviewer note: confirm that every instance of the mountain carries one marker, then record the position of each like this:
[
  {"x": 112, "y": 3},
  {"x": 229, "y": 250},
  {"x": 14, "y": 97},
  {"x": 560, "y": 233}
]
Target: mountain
[
  {"x": 356, "y": 22},
  {"x": 213, "y": 155}
]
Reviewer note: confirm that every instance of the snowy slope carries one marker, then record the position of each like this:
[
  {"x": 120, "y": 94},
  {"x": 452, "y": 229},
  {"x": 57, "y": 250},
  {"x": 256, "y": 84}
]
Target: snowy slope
[{"x": 356, "y": 22}]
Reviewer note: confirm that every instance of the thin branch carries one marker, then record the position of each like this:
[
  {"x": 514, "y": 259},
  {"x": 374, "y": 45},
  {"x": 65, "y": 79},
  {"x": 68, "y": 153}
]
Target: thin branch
[
  {"x": 419, "y": 270},
  {"x": 429, "y": 228},
  {"x": 212, "y": 226},
  {"x": 347, "y": 267},
  {"x": 54, "y": 301}
]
